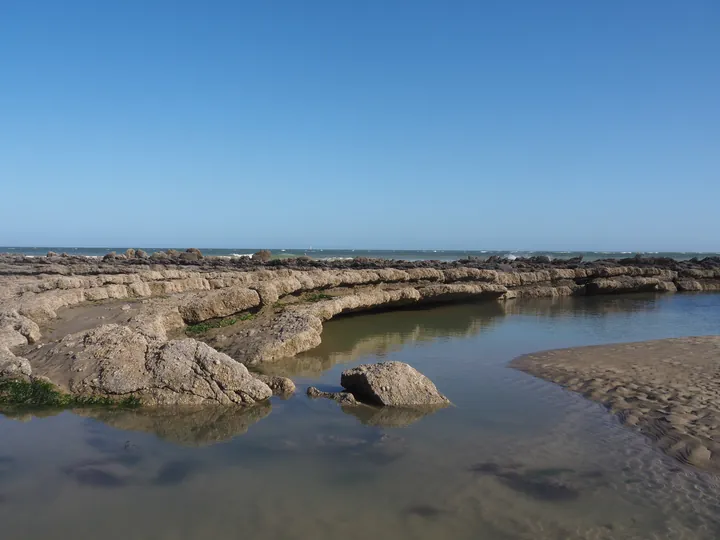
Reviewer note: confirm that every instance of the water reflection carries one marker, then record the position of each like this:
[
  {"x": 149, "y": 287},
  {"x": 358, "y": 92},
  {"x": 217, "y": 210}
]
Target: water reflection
[
  {"x": 517, "y": 458},
  {"x": 594, "y": 306},
  {"x": 348, "y": 338},
  {"x": 388, "y": 416},
  {"x": 186, "y": 426}
]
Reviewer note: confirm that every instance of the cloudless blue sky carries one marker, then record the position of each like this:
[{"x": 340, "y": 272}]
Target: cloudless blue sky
[{"x": 361, "y": 123}]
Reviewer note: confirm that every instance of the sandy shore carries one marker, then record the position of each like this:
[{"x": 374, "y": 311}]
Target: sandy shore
[{"x": 669, "y": 389}]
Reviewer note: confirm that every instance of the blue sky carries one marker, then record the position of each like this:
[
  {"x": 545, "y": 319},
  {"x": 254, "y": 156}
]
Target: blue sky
[{"x": 375, "y": 124}]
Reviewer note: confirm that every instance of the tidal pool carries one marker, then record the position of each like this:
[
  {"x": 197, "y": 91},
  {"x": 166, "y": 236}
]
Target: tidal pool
[{"x": 514, "y": 458}]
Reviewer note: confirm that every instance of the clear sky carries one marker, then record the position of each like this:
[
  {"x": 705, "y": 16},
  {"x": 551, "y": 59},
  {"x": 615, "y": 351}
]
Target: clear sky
[{"x": 361, "y": 123}]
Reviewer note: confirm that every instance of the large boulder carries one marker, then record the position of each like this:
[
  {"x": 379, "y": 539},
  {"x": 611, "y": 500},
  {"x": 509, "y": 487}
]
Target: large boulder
[
  {"x": 391, "y": 384},
  {"x": 119, "y": 361}
]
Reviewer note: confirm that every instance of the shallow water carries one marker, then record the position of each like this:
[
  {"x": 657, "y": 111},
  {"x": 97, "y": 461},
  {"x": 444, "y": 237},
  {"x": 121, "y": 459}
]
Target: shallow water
[{"x": 515, "y": 458}]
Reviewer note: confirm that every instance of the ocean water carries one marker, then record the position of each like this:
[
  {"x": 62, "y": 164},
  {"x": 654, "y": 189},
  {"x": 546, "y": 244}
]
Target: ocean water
[
  {"x": 403, "y": 254},
  {"x": 514, "y": 457}
]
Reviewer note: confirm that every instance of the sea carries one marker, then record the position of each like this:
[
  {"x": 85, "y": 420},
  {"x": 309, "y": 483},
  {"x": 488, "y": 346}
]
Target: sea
[{"x": 398, "y": 254}]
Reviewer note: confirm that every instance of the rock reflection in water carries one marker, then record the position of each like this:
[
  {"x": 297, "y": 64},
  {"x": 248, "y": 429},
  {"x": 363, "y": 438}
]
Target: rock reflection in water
[
  {"x": 573, "y": 306},
  {"x": 348, "y": 338},
  {"x": 185, "y": 426},
  {"x": 388, "y": 416}
]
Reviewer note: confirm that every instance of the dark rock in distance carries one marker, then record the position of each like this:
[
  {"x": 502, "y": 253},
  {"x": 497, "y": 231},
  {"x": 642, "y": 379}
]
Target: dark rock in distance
[{"x": 264, "y": 255}]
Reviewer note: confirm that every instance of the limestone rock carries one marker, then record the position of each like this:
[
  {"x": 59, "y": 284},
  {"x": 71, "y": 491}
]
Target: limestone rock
[
  {"x": 281, "y": 386},
  {"x": 13, "y": 367},
  {"x": 218, "y": 303},
  {"x": 116, "y": 360},
  {"x": 343, "y": 398},
  {"x": 16, "y": 329},
  {"x": 196, "y": 251},
  {"x": 622, "y": 284},
  {"x": 391, "y": 384}
]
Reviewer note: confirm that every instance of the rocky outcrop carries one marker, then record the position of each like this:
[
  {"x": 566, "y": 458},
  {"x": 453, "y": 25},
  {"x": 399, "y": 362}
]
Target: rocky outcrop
[
  {"x": 218, "y": 303},
  {"x": 391, "y": 384},
  {"x": 115, "y": 360},
  {"x": 13, "y": 367},
  {"x": 283, "y": 303}
]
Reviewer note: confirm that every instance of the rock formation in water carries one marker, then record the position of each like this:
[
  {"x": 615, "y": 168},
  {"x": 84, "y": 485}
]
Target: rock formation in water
[
  {"x": 186, "y": 325},
  {"x": 391, "y": 384},
  {"x": 343, "y": 398}
]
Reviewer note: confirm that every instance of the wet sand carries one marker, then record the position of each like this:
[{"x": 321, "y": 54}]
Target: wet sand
[{"x": 669, "y": 389}]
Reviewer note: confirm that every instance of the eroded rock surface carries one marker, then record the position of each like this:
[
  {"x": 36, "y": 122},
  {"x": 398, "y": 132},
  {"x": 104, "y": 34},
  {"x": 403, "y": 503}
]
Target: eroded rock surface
[
  {"x": 343, "y": 398},
  {"x": 391, "y": 384},
  {"x": 276, "y": 310},
  {"x": 116, "y": 360},
  {"x": 281, "y": 386}
]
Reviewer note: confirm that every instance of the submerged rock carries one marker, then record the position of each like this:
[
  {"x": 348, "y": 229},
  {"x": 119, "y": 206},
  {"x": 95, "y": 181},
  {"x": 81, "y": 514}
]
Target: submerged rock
[
  {"x": 343, "y": 398},
  {"x": 391, "y": 384}
]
